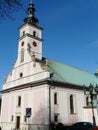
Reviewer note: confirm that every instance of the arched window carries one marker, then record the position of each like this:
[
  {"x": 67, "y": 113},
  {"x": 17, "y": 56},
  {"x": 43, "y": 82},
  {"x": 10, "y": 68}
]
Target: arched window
[
  {"x": 71, "y": 104},
  {"x": 21, "y": 75},
  {"x": 22, "y": 55},
  {"x": 87, "y": 101}
]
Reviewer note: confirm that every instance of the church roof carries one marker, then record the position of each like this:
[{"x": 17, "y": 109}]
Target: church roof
[{"x": 72, "y": 75}]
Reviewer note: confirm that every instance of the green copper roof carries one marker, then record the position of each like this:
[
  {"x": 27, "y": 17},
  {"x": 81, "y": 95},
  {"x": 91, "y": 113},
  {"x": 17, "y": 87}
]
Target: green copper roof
[{"x": 69, "y": 74}]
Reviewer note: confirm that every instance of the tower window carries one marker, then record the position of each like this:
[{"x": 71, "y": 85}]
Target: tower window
[
  {"x": 22, "y": 55},
  {"x": 34, "y": 33},
  {"x": 21, "y": 75},
  {"x": 23, "y": 33}
]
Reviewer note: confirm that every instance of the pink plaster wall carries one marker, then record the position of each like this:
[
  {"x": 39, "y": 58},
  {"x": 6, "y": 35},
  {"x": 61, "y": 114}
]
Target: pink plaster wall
[
  {"x": 89, "y": 115},
  {"x": 56, "y": 108},
  {"x": 5, "y": 108},
  {"x": 39, "y": 108},
  {"x": 26, "y": 98},
  {"x": 12, "y": 101}
]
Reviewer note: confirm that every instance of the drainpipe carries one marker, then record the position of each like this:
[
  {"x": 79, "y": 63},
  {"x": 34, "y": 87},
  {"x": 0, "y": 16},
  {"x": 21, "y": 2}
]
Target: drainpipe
[{"x": 49, "y": 107}]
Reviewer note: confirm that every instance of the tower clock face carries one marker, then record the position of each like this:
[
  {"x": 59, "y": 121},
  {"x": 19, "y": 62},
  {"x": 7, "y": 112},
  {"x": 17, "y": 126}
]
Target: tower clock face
[{"x": 34, "y": 44}]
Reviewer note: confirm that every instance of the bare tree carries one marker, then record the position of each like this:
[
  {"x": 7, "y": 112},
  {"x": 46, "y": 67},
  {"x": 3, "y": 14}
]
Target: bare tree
[{"x": 7, "y": 7}]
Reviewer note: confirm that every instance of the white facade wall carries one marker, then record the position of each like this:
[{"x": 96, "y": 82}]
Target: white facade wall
[
  {"x": 63, "y": 106},
  {"x": 35, "y": 98},
  {"x": 34, "y": 74},
  {"x": 28, "y": 28}
]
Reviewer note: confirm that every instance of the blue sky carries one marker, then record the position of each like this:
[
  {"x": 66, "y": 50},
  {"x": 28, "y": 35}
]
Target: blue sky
[{"x": 70, "y": 33}]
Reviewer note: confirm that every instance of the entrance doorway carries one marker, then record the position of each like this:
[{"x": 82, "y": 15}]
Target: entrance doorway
[{"x": 17, "y": 122}]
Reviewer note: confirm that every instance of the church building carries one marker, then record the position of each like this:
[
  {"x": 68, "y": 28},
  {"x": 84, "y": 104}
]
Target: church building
[{"x": 40, "y": 91}]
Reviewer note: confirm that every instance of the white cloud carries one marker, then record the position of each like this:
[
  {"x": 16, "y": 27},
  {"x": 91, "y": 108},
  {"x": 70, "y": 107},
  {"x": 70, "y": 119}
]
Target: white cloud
[{"x": 93, "y": 43}]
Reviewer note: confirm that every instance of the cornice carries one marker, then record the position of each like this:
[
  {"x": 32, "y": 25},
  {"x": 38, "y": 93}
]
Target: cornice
[{"x": 31, "y": 36}]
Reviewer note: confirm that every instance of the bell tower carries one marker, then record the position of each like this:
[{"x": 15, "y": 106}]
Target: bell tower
[{"x": 30, "y": 40}]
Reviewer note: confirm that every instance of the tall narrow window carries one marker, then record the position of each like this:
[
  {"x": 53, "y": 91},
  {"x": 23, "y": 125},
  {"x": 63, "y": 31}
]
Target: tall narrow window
[
  {"x": 34, "y": 33},
  {"x": 55, "y": 99},
  {"x": 25, "y": 119},
  {"x": 87, "y": 101},
  {"x": 56, "y": 118},
  {"x": 71, "y": 104},
  {"x": 22, "y": 55},
  {"x": 19, "y": 101},
  {"x": 21, "y": 75}
]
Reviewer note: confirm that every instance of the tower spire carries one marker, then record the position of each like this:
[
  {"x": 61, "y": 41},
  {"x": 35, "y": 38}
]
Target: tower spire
[{"x": 31, "y": 17}]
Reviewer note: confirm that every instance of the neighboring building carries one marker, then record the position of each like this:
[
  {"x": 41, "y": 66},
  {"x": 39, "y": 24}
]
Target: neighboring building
[{"x": 40, "y": 91}]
